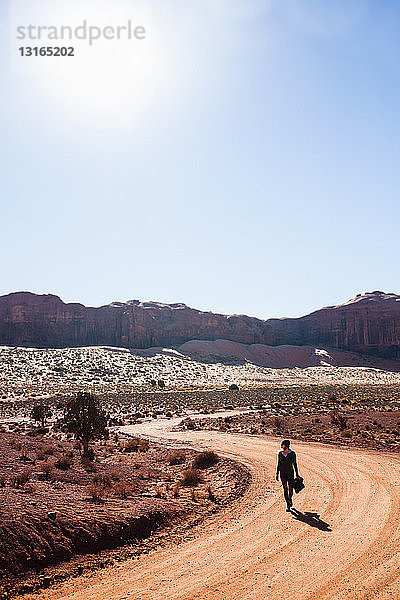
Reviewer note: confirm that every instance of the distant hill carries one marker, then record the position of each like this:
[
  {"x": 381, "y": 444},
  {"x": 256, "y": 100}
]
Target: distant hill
[{"x": 368, "y": 324}]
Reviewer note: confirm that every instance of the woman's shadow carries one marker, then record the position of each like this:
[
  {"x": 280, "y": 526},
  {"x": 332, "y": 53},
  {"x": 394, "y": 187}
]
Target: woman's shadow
[{"x": 311, "y": 518}]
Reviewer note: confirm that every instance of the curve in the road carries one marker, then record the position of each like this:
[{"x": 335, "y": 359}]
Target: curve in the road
[{"x": 344, "y": 542}]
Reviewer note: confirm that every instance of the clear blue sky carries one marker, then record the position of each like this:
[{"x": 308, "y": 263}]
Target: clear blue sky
[{"x": 243, "y": 158}]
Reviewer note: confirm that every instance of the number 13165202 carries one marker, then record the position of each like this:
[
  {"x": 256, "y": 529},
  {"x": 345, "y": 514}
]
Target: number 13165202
[{"x": 47, "y": 51}]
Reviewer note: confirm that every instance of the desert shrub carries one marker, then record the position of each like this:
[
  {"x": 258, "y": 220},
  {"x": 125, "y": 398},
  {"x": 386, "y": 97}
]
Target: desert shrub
[
  {"x": 40, "y": 412},
  {"x": 44, "y": 452},
  {"x": 24, "y": 455},
  {"x": 234, "y": 387},
  {"x": 191, "y": 478},
  {"x": 103, "y": 479},
  {"x": 205, "y": 459},
  {"x": 64, "y": 462},
  {"x": 176, "y": 458},
  {"x": 20, "y": 479},
  {"x": 346, "y": 433},
  {"x": 131, "y": 445},
  {"x": 161, "y": 383},
  {"x": 338, "y": 419},
  {"x": 96, "y": 491},
  {"x": 278, "y": 424},
  {"x": 47, "y": 468},
  {"x": 121, "y": 490},
  {"x": 144, "y": 445}
]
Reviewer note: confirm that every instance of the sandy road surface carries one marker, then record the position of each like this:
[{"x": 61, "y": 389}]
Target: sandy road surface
[{"x": 255, "y": 550}]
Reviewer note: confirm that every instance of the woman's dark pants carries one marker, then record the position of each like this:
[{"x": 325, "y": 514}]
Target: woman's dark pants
[{"x": 287, "y": 484}]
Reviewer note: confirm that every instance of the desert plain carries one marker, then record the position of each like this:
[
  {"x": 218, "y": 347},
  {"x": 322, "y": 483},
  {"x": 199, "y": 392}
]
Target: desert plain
[{"x": 132, "y": 522}]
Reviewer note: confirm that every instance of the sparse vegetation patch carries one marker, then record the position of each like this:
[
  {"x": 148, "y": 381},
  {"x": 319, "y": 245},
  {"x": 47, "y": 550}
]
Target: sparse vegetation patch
[
  {"x": 191, "y": 478},
  {"x": 206, "y": 459},
  {"x": 69, "y": 504}
]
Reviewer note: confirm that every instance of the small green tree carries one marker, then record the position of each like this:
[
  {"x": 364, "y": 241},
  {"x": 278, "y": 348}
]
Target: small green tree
[
  {"x": 84, "y": 418},
  {"x": 40, "y": 412}
]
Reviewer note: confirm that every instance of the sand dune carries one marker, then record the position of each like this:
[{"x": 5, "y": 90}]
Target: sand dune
[{"x": 280, "y": 357}]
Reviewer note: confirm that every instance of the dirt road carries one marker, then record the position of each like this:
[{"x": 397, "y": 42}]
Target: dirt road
[{"x": 255, "y": 550}]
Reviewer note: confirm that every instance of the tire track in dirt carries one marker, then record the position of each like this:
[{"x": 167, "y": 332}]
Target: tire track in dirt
[{"x": 254, "y": 550}]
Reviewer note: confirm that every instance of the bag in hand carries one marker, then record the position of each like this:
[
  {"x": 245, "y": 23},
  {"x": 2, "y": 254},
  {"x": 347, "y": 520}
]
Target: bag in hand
[{"x": 298, "y": 484}]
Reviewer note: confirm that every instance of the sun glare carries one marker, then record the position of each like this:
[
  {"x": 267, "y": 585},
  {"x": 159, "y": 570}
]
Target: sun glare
[{"x": 108, "y": 78}]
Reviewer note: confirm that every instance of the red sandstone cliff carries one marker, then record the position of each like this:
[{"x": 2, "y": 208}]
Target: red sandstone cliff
[
  {"x": 367, "y": 324},
  {"x": 30, "y": 320}
]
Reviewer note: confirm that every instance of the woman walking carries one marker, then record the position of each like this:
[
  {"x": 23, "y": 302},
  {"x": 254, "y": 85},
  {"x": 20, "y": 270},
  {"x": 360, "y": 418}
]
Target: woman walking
[{"x": 287, "y": 464}]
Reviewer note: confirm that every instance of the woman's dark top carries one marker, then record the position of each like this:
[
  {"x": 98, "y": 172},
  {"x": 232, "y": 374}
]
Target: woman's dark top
[{"x": 287, "y": 464}]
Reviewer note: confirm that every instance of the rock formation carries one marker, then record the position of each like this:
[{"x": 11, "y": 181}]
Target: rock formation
[{"x": 369, "y": 323}]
